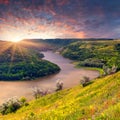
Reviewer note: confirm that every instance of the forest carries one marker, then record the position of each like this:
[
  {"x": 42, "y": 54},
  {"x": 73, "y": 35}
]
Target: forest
[{"x": 24, "y": 64}]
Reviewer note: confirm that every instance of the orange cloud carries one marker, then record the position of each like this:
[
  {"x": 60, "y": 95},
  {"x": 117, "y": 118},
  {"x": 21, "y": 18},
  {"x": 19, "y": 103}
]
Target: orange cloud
[{"x": 37, "y": 28}]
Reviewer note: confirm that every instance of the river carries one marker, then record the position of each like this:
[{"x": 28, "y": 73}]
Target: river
[{"x": 69, "y": 75}]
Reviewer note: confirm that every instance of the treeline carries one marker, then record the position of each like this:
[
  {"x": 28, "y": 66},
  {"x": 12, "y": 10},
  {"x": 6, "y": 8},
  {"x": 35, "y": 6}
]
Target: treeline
[
  {"x": 94, "y": 54},
  {"x": 59, "y": 42}
]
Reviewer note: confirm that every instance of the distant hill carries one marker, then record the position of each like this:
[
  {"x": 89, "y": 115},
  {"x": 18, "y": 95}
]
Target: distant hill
[
  {"x": 59, "y": 41},
  {"x": 50, "y": 44},
  {"x": 99, "y": 101}
]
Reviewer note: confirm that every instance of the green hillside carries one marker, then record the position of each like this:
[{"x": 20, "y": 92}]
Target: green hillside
[
  {"x": 97, "y": 101},
  {"x": 94, "y": 53},
  {"x": 19, "y": 63}
]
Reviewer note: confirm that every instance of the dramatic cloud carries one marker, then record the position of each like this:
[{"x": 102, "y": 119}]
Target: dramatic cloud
[
  {"x": 4, "y": 2},
  {"x": 59, "y": 19}
]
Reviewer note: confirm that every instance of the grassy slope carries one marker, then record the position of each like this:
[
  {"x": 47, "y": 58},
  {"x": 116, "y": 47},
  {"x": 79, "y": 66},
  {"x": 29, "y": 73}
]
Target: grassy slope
[
  {"x": 100, "y": 70},
  {"x": 100, "y": 101}
]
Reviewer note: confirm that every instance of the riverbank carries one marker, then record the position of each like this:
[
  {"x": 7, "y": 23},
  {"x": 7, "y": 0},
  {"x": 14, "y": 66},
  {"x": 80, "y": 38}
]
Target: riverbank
[
  {"x": 70, "y": 76},
  {"x": 100, "y": 70}
]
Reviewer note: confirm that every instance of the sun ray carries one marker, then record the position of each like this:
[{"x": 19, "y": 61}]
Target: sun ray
[
  {"x": 5, "y": 46},
  {"x": 13, "y": 50},
  {"x": 28, "y": 43},
  {"x": 33, "y": 44},
  {"x": 22, "y": 52}
]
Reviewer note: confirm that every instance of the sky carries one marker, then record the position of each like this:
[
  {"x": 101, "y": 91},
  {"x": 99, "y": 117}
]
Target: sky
[{"x": 20, "y": 19}]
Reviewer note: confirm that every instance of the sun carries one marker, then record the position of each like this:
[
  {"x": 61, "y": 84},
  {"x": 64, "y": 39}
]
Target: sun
[{"x": 16, "y": 39}]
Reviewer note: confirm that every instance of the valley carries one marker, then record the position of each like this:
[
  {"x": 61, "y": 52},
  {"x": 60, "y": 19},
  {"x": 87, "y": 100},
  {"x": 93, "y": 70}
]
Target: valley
[{"x": 67, "y": 74}]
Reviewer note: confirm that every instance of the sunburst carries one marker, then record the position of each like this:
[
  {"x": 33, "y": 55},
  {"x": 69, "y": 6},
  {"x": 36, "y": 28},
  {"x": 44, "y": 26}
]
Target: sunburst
[{"x": 18, "y": 46}]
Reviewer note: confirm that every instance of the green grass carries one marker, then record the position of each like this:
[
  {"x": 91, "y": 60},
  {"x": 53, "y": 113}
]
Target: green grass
[
  {"x": 96, "y": 69},
  {"x": 100, "y": 70},
  {"x": 97, "y": 101}
]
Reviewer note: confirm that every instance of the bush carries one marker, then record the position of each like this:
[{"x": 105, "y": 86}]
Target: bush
[
  {"x": 59, "y": 85},
  {"x": 23, "y": 101},
  {"x": 10, "y": 106},
  {"x": 109, "y": 71},
  {"x": 114, "y": 69},
  {"x": 85, "y": 81},
  {"x": 37, "y": 92}
]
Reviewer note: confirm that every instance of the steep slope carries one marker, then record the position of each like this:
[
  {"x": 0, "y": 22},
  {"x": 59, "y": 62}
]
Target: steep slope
[{"x": 97, "y": 101}]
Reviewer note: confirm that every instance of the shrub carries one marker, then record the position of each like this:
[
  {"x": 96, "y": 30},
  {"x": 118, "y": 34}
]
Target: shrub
[
  {"x": 85, "y": 81},
  {"x": 10, "y": 106},
  {"x": 23, "y": 101},
  {"x": 59, "y": 85},
  {"x": 114, "y": 69},
  {"x": 109, "y": 71},
  {"x": 37, "y": 92}
]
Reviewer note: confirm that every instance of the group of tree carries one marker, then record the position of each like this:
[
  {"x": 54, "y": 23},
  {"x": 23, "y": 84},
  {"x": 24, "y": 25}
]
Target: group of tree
[
  {"x": 24, "y": 65},
  {"x": 94, "y": 53}
]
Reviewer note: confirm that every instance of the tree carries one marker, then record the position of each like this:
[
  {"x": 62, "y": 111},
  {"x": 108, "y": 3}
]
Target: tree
[
  {"x": 108, "y": 71},
  {"x": 10, "y": 106},
  {"x": 85, "y": 81},
  {"x": 59, "y": 85},
  {"x": 37, "y": 92}
]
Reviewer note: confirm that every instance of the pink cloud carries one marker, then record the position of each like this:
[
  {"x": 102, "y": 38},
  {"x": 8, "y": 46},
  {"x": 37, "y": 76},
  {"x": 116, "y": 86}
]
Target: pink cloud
[
  {"x": 62, "y": 2},
  {"x": 4, "y": 2}
]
